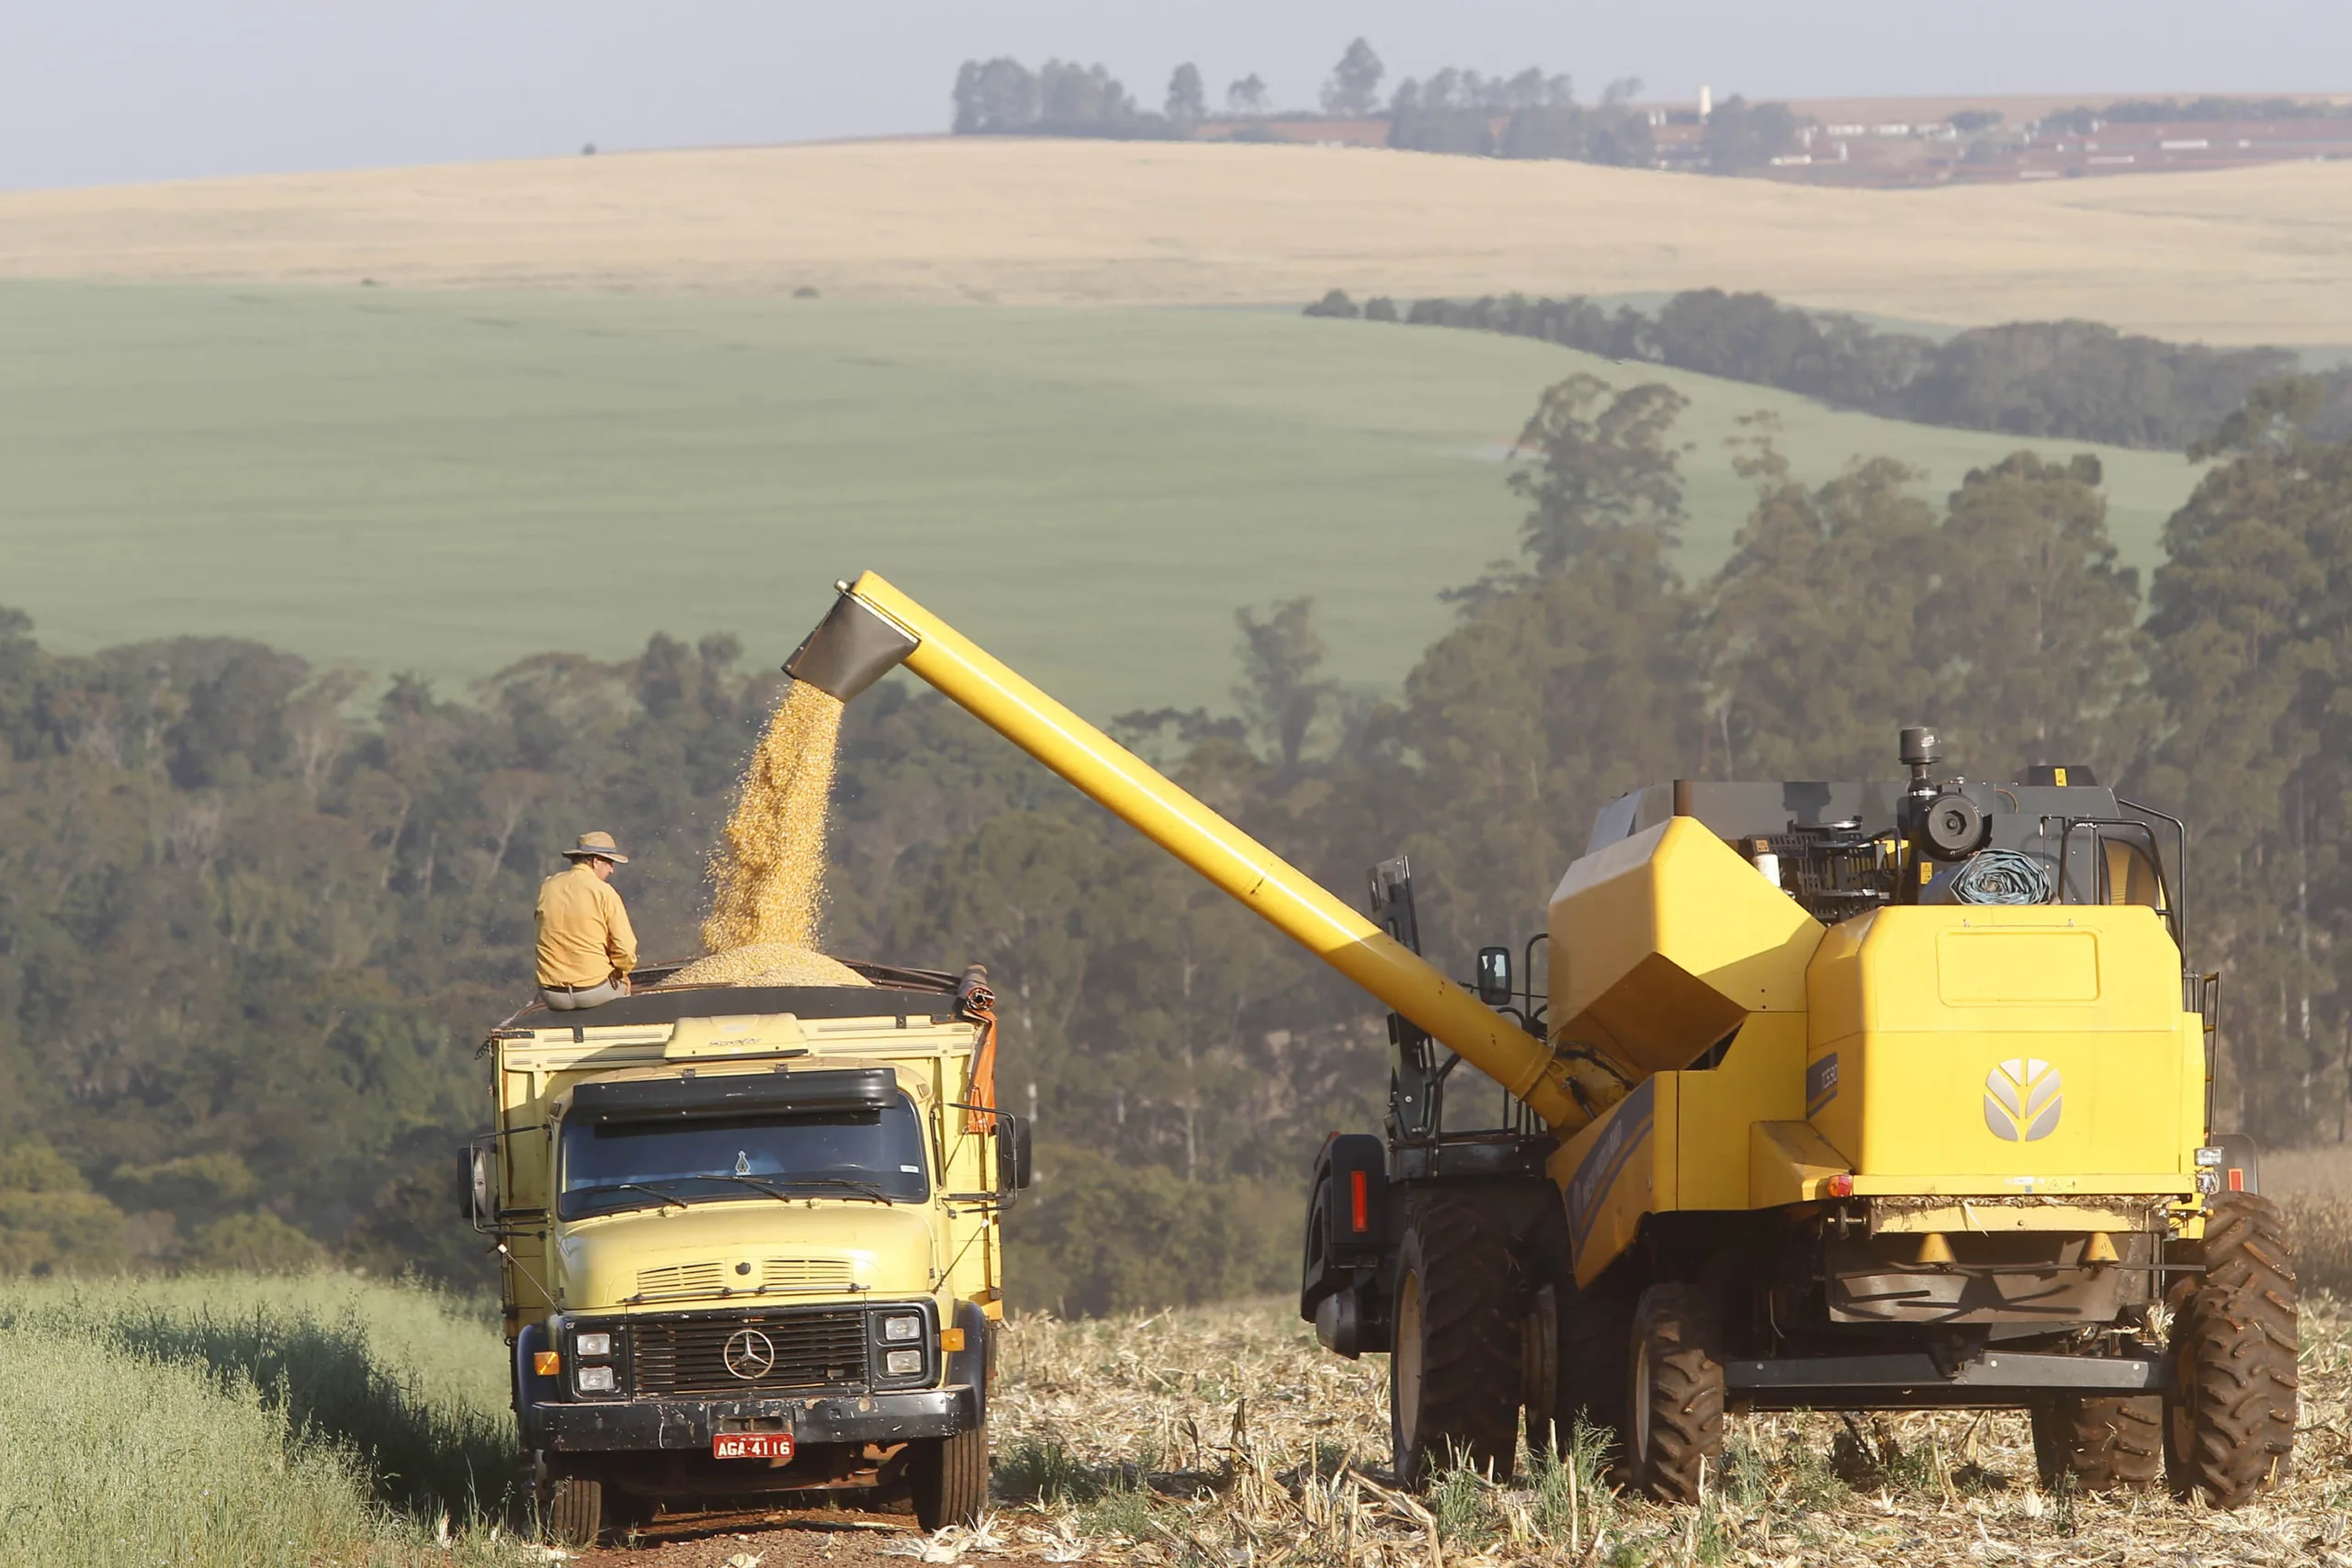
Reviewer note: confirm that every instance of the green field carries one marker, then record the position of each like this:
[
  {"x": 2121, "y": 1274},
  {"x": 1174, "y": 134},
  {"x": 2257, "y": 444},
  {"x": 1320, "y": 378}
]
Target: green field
[
  {"x": 236, "y": 1422},
  {"x": 446, "y": 483}
]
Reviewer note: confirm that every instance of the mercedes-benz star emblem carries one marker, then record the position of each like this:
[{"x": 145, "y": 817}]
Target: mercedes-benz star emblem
[{"x": 750, "y": 1355}]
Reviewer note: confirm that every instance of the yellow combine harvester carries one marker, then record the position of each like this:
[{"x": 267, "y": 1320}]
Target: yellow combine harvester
[{"x": 1844, "y": 1096}]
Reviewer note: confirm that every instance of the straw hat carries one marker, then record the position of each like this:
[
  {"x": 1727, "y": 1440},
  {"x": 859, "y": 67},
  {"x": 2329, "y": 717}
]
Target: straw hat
[{"x": 596, "y": 846}]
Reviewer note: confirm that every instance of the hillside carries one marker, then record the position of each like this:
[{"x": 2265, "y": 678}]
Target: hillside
[
  {"x": 2252, "y": 255},
  {"x": 446, "y": 483}
]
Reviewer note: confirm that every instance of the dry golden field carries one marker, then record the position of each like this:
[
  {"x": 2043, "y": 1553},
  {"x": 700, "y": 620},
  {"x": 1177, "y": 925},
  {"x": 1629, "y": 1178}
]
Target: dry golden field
[
  {"x": 1227, "y": 1436},
  {"x": 2250, "y": 255}
]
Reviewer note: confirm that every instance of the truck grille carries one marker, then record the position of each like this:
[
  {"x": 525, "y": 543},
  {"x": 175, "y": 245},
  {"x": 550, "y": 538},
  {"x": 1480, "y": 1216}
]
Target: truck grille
[
  {"x": 812, "y": 1350},
  {"x": 805, "y": 1274},
  {"x": 683, "y": 1279}
]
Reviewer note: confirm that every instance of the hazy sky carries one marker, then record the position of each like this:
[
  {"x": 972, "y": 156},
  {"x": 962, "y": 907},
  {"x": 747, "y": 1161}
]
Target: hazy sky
[{"x": 95, "y": 91}]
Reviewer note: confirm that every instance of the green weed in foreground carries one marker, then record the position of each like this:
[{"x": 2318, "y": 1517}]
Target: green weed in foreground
[{"x": 233, "y": 1421}]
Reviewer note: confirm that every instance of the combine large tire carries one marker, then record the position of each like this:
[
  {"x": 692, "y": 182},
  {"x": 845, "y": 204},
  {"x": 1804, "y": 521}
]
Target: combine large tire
[
  {"x": 2229, "y": 1419},
  {"x": 949, "y": 1478},
  {"x": 1454, "y": 1380},
  {"x": 1674, "y": 1393},
  {"x": 572, "y": 1512},
  {"x": 2099, "y": 1444}
]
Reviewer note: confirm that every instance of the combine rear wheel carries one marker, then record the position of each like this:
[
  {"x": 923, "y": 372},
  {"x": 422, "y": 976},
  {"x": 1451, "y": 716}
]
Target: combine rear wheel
[
  {"x": 2229, "y": 1419},
  {"x": 2101, "y": 1444},
  {"x": 1674, "y": 1393},
  {"x": 949, "y": 1477},
  {"x": 1453, "y": 1380}
]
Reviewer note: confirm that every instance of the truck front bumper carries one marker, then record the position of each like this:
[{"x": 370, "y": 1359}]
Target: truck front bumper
[{"x": 607, "y": 1425}]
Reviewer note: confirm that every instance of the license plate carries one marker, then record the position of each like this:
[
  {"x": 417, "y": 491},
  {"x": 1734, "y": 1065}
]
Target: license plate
[{"x": 750, "y": 1445}]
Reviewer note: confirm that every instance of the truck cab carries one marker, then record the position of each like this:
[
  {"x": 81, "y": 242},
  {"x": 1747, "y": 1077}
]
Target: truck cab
[{"x": 750, "y": 1243}]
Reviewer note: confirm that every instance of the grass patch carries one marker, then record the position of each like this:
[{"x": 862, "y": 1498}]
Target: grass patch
[{"x": 233, "y": 1420}]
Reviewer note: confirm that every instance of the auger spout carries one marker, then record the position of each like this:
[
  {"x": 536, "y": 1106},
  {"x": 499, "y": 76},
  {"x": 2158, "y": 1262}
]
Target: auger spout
[{"x": 874, "y": 626}]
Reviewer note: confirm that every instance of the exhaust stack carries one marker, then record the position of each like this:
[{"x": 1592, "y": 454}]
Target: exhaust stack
[{"x": 873, "y": 627}]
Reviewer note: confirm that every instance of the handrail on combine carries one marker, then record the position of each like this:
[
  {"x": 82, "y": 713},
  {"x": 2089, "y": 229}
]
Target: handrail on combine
[{"x": 874, "y": 627}]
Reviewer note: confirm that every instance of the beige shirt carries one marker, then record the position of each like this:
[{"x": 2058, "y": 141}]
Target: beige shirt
[{"x": 584, "y": 935}]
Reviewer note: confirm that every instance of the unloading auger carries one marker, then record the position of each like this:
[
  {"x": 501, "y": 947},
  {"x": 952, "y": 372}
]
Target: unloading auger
[{"x": 872, "y": 628}]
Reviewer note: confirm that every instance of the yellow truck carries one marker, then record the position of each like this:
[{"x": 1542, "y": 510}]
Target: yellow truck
[
  {"x": 1889, "y": 1094},
  {"x": 750, "y": 1243}
]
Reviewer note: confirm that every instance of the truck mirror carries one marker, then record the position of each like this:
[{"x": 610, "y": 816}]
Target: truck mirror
[
  {"x": 478, "y": 1183},
  {"x": 1493, "y": 976},
  {"x": 1013, "y": 1154}
]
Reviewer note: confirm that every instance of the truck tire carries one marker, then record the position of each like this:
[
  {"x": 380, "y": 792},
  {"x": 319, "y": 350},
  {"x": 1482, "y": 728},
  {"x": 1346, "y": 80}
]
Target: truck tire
[
  {"x": 1674, "y": 1393},
  {"x": 2230, "y": 1418},
  {"x": 949, "y": 1477},
  {"x": 2099, "y": 1444},
  {"x": 1454, "y": 1369},
  {"x": 573, "y": 1512}
]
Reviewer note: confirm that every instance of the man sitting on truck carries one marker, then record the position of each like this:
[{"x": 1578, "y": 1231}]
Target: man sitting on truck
[{"x": 587, "y": 947}]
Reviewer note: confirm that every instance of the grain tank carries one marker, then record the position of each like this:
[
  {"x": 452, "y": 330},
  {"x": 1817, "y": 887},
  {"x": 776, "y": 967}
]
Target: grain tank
[{"x": 1854, "y": 1095}]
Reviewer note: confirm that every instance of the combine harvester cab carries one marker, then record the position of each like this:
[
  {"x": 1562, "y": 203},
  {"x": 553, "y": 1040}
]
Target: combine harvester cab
[
  {"x": 749, "y": 1244},
  {"x": 1844, "y": 1096}
]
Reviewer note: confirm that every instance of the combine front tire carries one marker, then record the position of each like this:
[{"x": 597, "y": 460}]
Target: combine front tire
[
  {"x": 949, "y": 1477},
  {"x": 2229, "y": 1419},
  {"x": 2100, "y": 1444},
  {"x": 1675, "y": 1393},
  {"x": 1453, "y": 1380}
]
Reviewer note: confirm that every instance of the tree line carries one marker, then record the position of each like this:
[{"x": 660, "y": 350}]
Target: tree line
[
  {"x": 1531, "y": 114},
  {"x": 251, "y": 936},
  {"x": 2085, "y": 119},
  {"x": 2071, "y": 380}
]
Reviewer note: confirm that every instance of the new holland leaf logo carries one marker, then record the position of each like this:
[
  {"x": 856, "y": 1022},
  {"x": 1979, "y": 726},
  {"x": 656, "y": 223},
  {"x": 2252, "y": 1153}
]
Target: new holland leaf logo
[{"x": 2021, "y": 1099}]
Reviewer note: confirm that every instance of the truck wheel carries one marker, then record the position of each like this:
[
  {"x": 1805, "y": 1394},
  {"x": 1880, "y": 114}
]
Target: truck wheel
[
  {"x": 1596, "y": 1341},
  {"x": 2229, "y": 1419},
  {"x": 1674, "y": 1393},
  {"x": 2100, "y": 1444},
  {"x": 1453, "y": 1370},
  {"x": 950, "y": 1479},
  {"x": 574, "y": 1514}
]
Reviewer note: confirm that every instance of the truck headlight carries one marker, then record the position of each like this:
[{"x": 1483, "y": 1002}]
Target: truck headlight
[
  {"x": 595, "y": 1379},
  {"x": 901, "y": 1330},
  {"x": 2208, "y": 1157},
  {"x": 593, "y": 1345},
  {"x": 896, "y": 1363}
]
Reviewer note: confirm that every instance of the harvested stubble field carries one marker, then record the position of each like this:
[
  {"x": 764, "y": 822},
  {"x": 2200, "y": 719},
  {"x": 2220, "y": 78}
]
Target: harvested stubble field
[
  {"x": 1227, "y": 1436},
  {"x": 2315, "y": 1187},
  {"x": 2251, "y": 255}
]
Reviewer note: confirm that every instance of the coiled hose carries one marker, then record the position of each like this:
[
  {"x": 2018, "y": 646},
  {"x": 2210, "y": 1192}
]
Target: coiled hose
[{"x": 2001, "y": 877}]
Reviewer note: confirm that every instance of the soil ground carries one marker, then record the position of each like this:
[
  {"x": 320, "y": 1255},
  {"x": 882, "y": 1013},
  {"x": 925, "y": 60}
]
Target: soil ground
[{"x": 842, "y": 1539}]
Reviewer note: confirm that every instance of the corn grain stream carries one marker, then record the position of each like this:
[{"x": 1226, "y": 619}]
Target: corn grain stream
[{"x": 768, "y": 873}]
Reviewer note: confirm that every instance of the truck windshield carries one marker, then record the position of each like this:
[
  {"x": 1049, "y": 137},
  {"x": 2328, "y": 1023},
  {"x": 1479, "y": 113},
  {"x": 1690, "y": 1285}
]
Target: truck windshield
[{"x": 629, "y": 1165}]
